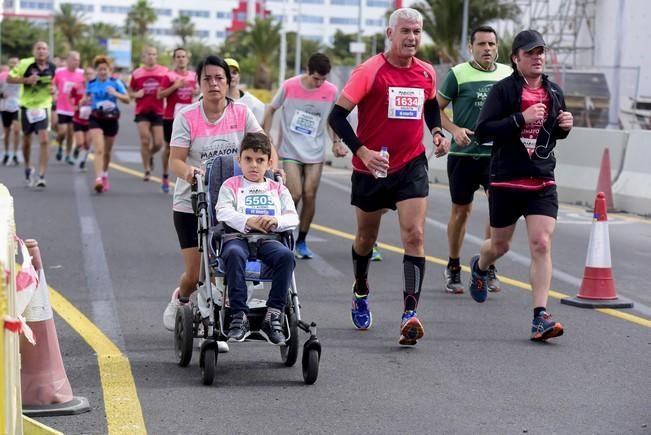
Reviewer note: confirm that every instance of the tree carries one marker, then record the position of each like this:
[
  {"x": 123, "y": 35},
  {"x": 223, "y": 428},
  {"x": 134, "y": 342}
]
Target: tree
[
  {"x": 70, "y": 23},
  {"x": 442, "y": 21},
  {"x": 183, "y": 28},
  {"x": 18, "y": 37},
  {"x": 261, "y": 43},
  {"x": 140, "y": 17},
  {"x": 308, "y": 48}
]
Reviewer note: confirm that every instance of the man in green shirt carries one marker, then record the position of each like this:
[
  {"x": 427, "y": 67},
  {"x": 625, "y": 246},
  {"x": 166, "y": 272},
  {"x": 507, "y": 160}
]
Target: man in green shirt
[
  {"x": 467, "y": 86},
  {"x": 35, "y": 74}
]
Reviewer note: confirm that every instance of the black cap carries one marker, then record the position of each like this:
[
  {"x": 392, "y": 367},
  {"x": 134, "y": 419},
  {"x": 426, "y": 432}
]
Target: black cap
[{"x": 527, "y": 40}]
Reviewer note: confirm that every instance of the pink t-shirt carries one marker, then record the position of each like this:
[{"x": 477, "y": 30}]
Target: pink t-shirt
[
  {"x": 64, "y": 81},
  {"x": 149, "y": 79},
  {"x": 390, "y": 102},
  {"x": 182, "y": 96}
]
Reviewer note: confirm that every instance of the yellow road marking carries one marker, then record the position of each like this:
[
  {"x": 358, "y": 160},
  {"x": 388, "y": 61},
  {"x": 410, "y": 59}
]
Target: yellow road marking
[
  {"x": 506, "y": 280},
  {"x": 121, "y": 404}
]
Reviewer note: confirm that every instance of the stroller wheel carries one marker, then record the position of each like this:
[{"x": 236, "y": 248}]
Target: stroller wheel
[
  {"x": 310, "y": 366},
  {"x": 208, "y": 363},
  {"x": 183, "y": 335},
  {"x": 289, "y": 352}
]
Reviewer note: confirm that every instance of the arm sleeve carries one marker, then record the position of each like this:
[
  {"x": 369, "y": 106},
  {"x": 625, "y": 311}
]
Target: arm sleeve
[
  {"x": 288, "y": 220},
  {"x": 226, "y": 211},
  {"x": 432, "y": 113},
  {"x": 494, "y": 119},
  {"x": 180, "y": 133},
  {"x": 339, "y": 123}
]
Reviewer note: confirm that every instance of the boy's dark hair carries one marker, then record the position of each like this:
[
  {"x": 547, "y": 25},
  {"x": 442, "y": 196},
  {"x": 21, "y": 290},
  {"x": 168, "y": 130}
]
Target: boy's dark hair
[
  {"x": 258, "y": 142},
  {"x": 482, "y": 29},
  {"x": 216, "y": 61},
  {"x": 319, "y": 63}
]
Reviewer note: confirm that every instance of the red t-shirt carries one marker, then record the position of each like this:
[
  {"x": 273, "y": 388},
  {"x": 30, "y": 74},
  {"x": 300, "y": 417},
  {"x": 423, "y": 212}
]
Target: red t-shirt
[
  {"x": 82, "y": 113},
  {"x": 180, "y": 97},
  {"x": 150, "y": 80},
  {"x": 390, "y": 102}
]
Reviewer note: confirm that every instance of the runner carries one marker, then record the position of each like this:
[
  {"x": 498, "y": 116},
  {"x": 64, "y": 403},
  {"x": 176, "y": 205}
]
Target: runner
[
  {"x": 178, "y": 88},
  {"x": 524, "y": 114},
  {"x": 10, "y": 94},
  {"x": 104, "y": 93},
  {"x": 394, "y": 91},
  {"x": 467, "y": 86},
  {"x": 144, "y": 86},
  {"x": 306, "y": 101},
  {"x": 35, "y": 74},
  {"x": 234, "y": 92},
  {"x": 80, "y": 118},
  {"x": 214, "y": 125},
  {"x": 65, "y": 79}
]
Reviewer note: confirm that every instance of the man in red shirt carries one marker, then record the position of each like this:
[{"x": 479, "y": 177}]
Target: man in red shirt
[
  {"x": 144, "y": 86},
  {"x": 394, "y": 92},
  {"x": 178, "y": 89}
]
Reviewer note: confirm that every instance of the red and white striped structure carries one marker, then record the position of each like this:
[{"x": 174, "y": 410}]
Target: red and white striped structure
[{"x": 598, "y": 285}]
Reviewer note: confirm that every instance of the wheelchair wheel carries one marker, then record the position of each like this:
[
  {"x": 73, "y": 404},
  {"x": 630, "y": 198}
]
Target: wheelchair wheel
[
  {"x": 208, "y": 363},
  {"x": 310, "y": 366},
  {"x": 289, "y": 352},
  {"x": 183, "y": 335}
]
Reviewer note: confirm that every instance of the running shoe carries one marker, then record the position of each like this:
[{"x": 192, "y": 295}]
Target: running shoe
[
  {"x": 5, "y": 160},
  {"x": 99, "y": 185},
  {"x": 376, "y": 255},
  {"x": 272, "y": 329},
  {"x": 411, "y": 330},
  {"x": 477, "y": 281},
  {"x": 360, "y": 313},
  {"x": 41, "y": 183},
  {"x": 453, "y": 282},
  {"x": 59, "y": 155},
  {"x": 169, "y": 315},
  {"x": 146, "y": 177},
  {"x": 29, "y": 177},
  {"x": 302, "y": 251},
  {"x": 14, "y": 160},
  {"x": 543, "y": 327},
  {"x": 239, "y": 328},
  {"x": 165, "y": 186},
  {"x": 70, "y": 160},
  {"x": 105, "y": 183},
  {"x": 82, "y": 166},
  {"x": 493, "y": 283},
  {"x": 75, "y": 152}
]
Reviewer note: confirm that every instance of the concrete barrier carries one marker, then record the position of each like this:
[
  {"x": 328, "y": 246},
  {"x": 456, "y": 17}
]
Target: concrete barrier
[{"x": 631, "y": 188}]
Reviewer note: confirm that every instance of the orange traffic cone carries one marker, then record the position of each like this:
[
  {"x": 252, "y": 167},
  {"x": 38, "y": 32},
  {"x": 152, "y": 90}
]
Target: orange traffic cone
[
  {"x": 45, "y": 387},
  {"x": 598, "y": 285}
]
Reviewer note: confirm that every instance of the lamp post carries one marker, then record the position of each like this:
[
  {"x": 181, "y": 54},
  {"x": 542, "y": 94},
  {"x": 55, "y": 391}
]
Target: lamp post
[{"x": 297, "y": 53}]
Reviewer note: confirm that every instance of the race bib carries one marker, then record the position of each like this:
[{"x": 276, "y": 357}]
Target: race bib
[
  {"x": 305, "y": 123},
  {"x": 36, "y": 115},
  {"x": 257, "y": 201},
  {"x": 84, "y": 112},
  {"x": 406, "y": 103},
  {"x": 178, "y": 108},
  {"x": 67, "y": 86}
]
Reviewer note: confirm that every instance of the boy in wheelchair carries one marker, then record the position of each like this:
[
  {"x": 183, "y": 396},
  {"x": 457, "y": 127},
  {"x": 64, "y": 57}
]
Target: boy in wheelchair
[{"x": 250, "y": 203}]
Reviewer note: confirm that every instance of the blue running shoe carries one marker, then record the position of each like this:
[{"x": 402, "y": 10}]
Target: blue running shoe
[
  {"x": 376, "y": 255},
  {"x": 302, "y": 251},
  {"x": 543, "y": 327},
  {"x": 478, "y": 280},
  {"x": 360, "y": 314},
  {"x": 411, "y": 330},
  {"x": 59, "y": 155}
]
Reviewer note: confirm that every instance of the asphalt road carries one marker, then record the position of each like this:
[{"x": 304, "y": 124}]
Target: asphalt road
[{"x": 115, "y": 257}]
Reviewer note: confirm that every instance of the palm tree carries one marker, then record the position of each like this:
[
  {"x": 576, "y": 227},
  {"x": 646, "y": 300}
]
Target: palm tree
[
  {"x": 263, "y": 38},
  {"x": 103, "y": 31},
  {"x": 140, "y": 17},
  {"x": 183, "y": 28},
  {"x": 442, "y": 20},
  {"x": 70, "y": 23}
]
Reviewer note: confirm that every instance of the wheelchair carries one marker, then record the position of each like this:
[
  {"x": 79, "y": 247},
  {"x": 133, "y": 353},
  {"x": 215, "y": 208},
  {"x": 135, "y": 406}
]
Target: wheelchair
[{"x": 207, "y": 316}]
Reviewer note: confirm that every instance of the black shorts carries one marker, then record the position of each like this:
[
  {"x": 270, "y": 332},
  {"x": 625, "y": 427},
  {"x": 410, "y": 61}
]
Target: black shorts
[
  {"x": 79, "y": 127},
  {"x": 506, "y": 205},
  {"x": 465, "y": 175},
  {"x": 8, "y": 118},
  {"x": 109, "y": 127},
  {"x": 64, "y": 119},
  {"x": 35, "y": 127},
  {"x": 372, "y": 194},
  {"x": 186, "y": 225},
  {"x": 153, "y": 118},
  {"x": 167, "y": 130}
]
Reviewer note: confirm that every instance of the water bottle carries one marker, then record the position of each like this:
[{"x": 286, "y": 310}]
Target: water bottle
[{"x": 384, "y": 152}]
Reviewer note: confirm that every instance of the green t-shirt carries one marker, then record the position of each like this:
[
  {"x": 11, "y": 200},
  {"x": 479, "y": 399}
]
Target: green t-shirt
[
  {"x": 467, "y": 88},
  {"x": 38, "y": 95}
]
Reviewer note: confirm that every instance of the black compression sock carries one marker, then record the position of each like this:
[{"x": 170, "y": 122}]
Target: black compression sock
[
  {"x": 360, "y": 269},
  {"x": 414, "y": 272},
  {"x": 537, "y": 311},
  {"x": 453, "y": 262},
  {"x": 301, "y": 236}
]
